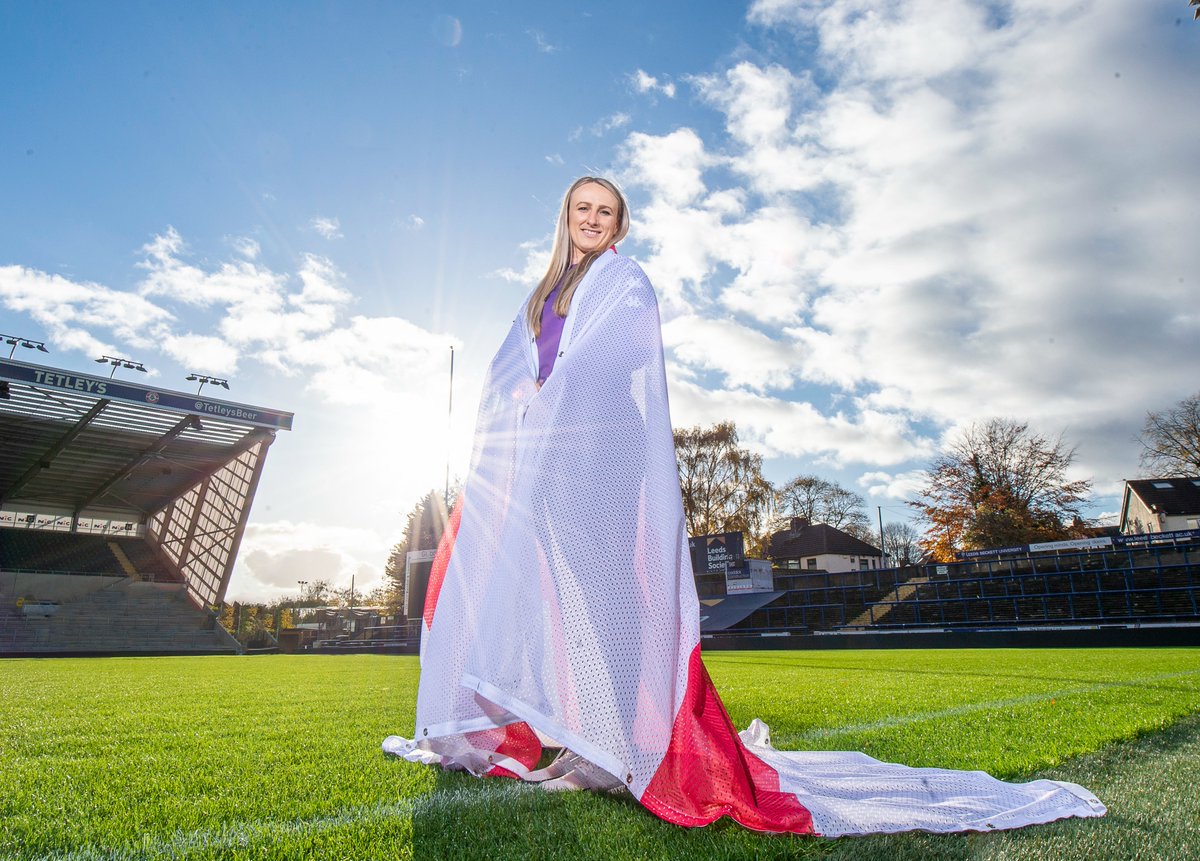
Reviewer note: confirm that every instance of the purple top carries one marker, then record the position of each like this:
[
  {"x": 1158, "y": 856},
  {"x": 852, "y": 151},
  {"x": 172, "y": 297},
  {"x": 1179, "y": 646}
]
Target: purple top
[{"x": 551, "y": 335}]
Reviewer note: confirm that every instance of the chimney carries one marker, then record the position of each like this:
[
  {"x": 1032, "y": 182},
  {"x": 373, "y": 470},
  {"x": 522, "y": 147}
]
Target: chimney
[{"x": 799, "y": 523}]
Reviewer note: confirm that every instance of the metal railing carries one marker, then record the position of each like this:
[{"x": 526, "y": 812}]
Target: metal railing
[{"x": 1126, "y": 586}]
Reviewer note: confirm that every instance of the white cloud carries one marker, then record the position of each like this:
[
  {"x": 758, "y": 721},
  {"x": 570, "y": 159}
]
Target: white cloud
[
  {"x": 644, "y": 82},
  {"x": 1108, "y": 518},
  {"x": 901, "y": 485},
  {"x": 555, "y": 159},
  {"x": 776, "y": 427},
  {"x": 274, "y": 556},
  {"x": 611, "y": 123},
  {"x": 204, "y": 354},
  {"x": 543, "y": 45},
  {"x": 245, "y": 246},
  {"x": 414, "y": 222},
  {"x": 322, "y": 283},
  {"x": 671, "y": 165},
  {"x": 537, "y": 261},
  {"x": 330, "y": 228},
  {"x": 290, "y": 323},
  {"x": 956, "y": 224},
  {"x": 83, "y": 316},
  {"x": 783, "y": 11},
  {"x": 743, "y": 356}
]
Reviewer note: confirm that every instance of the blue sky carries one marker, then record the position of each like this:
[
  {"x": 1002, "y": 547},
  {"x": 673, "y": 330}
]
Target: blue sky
[{"x": 869, "y": 224}]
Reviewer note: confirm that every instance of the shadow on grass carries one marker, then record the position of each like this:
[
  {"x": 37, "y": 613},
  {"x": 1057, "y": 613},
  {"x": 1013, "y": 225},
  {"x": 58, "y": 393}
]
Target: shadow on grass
[
  {"x": 469, "y": 818},
  {"x": 1147, "y": 784}
]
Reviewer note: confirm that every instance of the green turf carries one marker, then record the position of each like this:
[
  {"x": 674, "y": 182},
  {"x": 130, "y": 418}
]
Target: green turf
[{"x": 278, "y": 757}]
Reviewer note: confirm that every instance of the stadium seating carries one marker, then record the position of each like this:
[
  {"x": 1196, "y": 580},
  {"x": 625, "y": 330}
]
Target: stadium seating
[
  {"x": 117, "y": 616},
  {"x": 41, "y": 550},
  {"x": 1154, "y": 585}
]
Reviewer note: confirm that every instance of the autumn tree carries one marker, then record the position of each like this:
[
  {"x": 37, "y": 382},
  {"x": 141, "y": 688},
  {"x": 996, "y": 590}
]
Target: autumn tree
[
  {"x": 999, "y": 484},
  {"x": 251, "y": 624},
  {"x": 1171, "y": 440},
  {"x": 821, "y": 501},
  {"x": 388, "y": 594},
  {"x": 722, "y": 484}
]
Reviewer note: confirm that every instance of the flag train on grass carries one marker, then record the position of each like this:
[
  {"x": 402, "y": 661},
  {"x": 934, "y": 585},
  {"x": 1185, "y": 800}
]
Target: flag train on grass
[{"x": 562, "y": 612}]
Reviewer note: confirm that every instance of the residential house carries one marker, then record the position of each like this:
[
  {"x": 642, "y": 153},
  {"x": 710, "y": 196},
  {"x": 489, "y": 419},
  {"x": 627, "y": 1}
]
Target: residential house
[
  {"x": 806, "y": 546},
  {"x": 1160, "y": 505}
]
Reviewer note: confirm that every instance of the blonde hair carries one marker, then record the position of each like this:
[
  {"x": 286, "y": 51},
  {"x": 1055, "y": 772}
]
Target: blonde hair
[{"x": 560, "y": 257}]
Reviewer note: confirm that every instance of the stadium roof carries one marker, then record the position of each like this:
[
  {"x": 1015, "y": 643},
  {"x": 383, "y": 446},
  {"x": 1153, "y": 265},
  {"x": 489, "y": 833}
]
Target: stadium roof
[{"x": 75, "y": 442}]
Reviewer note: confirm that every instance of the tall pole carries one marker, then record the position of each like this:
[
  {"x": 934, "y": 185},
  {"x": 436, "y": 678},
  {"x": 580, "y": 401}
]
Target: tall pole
[
  {"x": 882, "y": 549},
  {"x": 449, "y": 416}
]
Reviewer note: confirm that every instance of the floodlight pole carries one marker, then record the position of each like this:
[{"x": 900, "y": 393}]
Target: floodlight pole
[
  {"x": 118, "y": 362},
  {"x": 17, "y": 341},
  {"x": 296, "y": 607},
  {"x": 449, "y": 417},
  {"x": 882, "y": 550}
]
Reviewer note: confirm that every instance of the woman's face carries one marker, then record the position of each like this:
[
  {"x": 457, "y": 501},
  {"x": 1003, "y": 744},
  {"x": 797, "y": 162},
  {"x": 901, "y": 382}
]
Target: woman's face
[{"x": 592, "y": 219}]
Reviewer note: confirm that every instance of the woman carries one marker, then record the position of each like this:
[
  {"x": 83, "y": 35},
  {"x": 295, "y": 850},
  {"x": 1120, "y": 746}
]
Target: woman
[{"x": 562, "y": 609}]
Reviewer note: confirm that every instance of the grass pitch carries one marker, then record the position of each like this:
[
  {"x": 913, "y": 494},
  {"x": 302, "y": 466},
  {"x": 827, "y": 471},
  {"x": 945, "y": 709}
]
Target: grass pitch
[{"x": 278, "y": 757}]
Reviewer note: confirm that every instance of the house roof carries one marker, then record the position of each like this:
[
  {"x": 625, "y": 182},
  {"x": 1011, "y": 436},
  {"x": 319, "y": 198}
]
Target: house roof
[
  {"x": 817, "y": 539},
  {"x": 1173, "y": 497}
]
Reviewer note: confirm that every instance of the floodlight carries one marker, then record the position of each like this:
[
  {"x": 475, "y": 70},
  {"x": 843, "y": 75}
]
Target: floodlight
[
  {"x": 15, "y": 341},
  {"x": 206, "y": 379},
  {"x": 120, "y": 362}
]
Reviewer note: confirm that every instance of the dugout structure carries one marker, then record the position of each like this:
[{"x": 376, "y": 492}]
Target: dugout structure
[{"x": 90, "y": 455}]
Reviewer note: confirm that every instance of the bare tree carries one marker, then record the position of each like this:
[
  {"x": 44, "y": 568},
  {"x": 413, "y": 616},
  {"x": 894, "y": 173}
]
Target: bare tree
[
  {"x": 1171, "y": 440},
  {"x": 822, "y": 501},
  {"x": 1000, "y": 484},
  {"x": 722, "y": 484},
  {"x": 901, "y": 543}
]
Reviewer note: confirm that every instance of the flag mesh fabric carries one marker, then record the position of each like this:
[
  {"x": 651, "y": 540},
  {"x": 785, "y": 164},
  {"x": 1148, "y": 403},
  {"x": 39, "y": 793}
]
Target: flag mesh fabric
[{"x": 562, "y": 606}]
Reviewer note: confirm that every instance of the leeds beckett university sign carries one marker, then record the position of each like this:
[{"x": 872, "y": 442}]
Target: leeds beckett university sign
[{"x": 117, "y": 390}]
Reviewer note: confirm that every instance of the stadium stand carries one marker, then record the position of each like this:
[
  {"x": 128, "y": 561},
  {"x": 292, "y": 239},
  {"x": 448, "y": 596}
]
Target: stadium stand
[
  {"x": 121, "y": 511},
  {"x": 1151, "y": 582}
]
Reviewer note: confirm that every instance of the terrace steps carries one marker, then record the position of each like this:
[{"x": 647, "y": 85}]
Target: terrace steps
[
  {"x": 876, "y": 612},
  {"x": 125, "y": 617}
]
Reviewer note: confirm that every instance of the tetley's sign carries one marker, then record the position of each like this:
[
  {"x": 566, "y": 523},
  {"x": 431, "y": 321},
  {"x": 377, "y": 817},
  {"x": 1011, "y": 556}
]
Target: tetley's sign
[{"x": 119, "y": 390}]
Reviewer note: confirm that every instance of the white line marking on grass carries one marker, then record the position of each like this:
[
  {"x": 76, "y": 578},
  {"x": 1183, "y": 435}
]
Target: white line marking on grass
[
  {"x": 240, "y": 835},
  {"x": 969, "y": 708}
]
